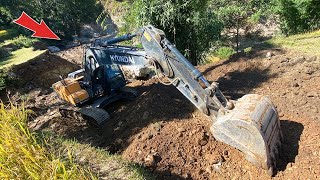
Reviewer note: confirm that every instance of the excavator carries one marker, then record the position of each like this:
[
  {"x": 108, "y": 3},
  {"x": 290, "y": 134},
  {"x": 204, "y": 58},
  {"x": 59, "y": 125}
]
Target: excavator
[{"x": 250, "y": 123}]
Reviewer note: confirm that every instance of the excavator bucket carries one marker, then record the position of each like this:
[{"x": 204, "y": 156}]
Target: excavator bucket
[{"x": 253, "y": 127}]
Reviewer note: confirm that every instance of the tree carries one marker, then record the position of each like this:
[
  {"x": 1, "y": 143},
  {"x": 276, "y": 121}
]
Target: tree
[
  {"x": 64, "y": 17},
  {"x": 238, "y": 14},
  {"x": 298, "y": 16},
  {"x": 5, "y": 17},
  {"x": 190, "y": 24}
]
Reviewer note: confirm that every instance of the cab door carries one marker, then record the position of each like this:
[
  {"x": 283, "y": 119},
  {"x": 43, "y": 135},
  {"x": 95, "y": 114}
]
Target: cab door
[
  {"x": 99, "y": 81},
  {"x": 116, "y": 80}
]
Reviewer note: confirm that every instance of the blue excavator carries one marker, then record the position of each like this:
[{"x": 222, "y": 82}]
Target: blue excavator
[{"x": 250, "y": 124}]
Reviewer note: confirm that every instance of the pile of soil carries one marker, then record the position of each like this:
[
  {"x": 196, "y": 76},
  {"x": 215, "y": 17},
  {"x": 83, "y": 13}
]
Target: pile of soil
[{"x": 162, "y": 130}]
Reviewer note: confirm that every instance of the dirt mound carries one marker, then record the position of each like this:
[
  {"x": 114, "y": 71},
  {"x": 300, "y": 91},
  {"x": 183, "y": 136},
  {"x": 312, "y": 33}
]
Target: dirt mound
[
  {"x": 42, "y": 71},
  {"x": 164, "y": 132}
]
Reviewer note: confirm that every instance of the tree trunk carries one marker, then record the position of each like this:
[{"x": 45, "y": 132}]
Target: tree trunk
[{"x": 237, "y": 35}]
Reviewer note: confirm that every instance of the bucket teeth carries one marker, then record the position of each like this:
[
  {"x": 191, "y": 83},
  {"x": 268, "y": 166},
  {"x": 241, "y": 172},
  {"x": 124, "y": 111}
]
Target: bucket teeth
[{"x": 253, "y": 127}]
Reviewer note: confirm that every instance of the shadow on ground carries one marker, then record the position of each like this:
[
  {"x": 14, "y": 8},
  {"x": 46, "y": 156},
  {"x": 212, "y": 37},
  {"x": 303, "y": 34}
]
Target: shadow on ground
[
  {"x": 291, "y": 131},
  {"x": 238, "y": 83}
]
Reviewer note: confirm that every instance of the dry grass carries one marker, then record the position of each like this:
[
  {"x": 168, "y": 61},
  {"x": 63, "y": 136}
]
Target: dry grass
[
  {"x": 307, "y": 43},
  {"x": 22, "y": 156},
  {"x": 107, "y": 166}
]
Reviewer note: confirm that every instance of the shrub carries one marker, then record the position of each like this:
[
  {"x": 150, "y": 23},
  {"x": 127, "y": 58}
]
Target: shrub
[
  {"x": 23, "y": 41},
  {"x": 298, "y": 16},
  {"x": 247, "y": 50},
  {"x": 224, "y": 52},
  {"x": 190, "y": 24},
  {"x": 3, "y": 79},
  {"x": 4, "y": 53},
  {"x": 5, "y": 16},
  {"x": 8, "y": 34}
]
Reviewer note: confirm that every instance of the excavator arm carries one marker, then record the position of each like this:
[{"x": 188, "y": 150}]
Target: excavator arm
[{"x": 250, "y": 124}]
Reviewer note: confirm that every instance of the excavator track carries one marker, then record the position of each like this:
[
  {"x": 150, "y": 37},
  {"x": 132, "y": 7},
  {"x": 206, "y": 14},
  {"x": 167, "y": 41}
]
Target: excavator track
[{"x": 94, "y": 116}]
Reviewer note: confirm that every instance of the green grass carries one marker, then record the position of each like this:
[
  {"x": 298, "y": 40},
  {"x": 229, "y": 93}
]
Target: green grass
[
  {"x": 23, "y": 41},
  {"x": 20, "y": 56},
  {"x": 307, "y": 43},
  {"x": 23, "y": 156}
]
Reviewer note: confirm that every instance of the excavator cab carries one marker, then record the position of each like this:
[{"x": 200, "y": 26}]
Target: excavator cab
[{"x": 102, "y": 79}]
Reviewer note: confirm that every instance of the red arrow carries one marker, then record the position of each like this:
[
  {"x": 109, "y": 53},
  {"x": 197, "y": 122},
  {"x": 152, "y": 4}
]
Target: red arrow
[{"x": 40, "y": 30}]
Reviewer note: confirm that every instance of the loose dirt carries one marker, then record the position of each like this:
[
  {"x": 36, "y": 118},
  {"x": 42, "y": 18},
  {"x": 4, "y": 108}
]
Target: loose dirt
[{"x": 162, "y": 131}]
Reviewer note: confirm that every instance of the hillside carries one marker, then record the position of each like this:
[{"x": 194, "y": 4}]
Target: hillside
[
  {"x": 247, "y": 47},
  {"x": 162, "y": 131}
]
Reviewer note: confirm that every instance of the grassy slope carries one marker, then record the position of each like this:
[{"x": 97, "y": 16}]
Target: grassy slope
[
  {"x": 20, "y": 56},
  {"x": 307, "y": 43},
  {"x": 107, "y": 166}
]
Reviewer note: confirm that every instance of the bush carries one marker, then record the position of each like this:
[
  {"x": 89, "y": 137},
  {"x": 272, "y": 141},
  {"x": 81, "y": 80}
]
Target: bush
[
  {"x": 5, "y": 17},
  {"x": 3, "y": 79},
  {"x": 62, "y": 16},
  {"x": 4, "y": 53},
  {"x": 190, "y": 24},
  {"x": 8, "y": 34},
  {"x": 298, "y": 16},
  {"x": 23, "y": 41},
  {"x": 224, "y": 52}
]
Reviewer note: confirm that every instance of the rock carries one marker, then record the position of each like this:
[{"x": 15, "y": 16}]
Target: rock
[
  {"x": 297, "y": 60},
  {"x": 153, "y": 159},
  {"x": 157, "y": 126},
  {"x": 150, "y": 136},
  {"x": 225, "y": 154},
  {"x": 203, "y": 140},
  {"x": 217, "y": 165},
  {"x": 145, "y": 115},
  {"x": 53, "y": 49},
  {"x": 186, "y": 175},
  {"x": 180, "y": 134},
  {"x": 295, "y": 84},
  {"x": 181, "y": 129},
  {"x": 118, "y": 141},
  {"x": 269, "y": 55},
  {"x": 285, "y": 60},
  {"x": 311, "y": 59},
  {"x": 12, "y": 75},
  {"x": 35, "y": 93},
  {"x": 281, "y": 114},
  {"x": 72, "y": 44}
]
